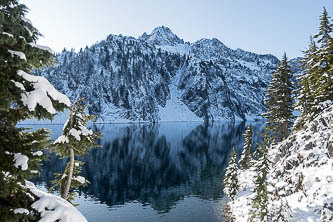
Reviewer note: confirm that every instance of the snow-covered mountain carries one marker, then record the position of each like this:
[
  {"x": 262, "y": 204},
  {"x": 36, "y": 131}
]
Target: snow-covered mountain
[{"x": 159, "y": 77}]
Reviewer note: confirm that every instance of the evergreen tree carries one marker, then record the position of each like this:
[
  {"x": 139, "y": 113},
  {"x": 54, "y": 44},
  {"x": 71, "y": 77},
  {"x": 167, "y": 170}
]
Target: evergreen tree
[
  {"x": 325, "y": 30},
  {"x": 323, "y": 70},
  {"x": 303, "y": 91},
  {"x": 279, "y": 101},
  {"x": 22, "y": 96},
  {"x": 281, "y": 211},
  {"x": 246, "y": 153},
  {"x": 316, "y": 87},
  {"x": 76, "y": 139},
  {"x": 230, "y": 180},
  {"x": 262, "y": 166}
]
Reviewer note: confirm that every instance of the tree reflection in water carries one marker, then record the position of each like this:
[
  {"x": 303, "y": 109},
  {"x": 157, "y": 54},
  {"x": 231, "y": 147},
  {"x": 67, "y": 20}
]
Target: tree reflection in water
[{"x": 157, "y": 164}]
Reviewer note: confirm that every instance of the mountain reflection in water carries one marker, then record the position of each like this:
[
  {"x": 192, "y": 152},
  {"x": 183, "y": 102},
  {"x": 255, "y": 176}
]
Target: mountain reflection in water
[{"x": 156, "y": 164}]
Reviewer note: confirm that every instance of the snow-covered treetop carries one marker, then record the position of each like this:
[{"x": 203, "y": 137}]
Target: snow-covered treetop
[{"x": 75, "y": 133}]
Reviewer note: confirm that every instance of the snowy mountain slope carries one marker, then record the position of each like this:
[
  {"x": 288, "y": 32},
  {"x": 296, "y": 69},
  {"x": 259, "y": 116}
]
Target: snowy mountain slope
[
  {"x": 175, "y": 109},
  {"x": 302, "y": 173},
  {"x": 159, "y": 77}
]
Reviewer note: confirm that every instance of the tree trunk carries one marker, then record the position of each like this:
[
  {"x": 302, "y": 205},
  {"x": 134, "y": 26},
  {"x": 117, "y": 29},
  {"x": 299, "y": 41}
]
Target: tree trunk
[
  {"x": 285, "y": 130},
  {"x": 69, "y": 175},
  {"x": 71, "y": 167}
]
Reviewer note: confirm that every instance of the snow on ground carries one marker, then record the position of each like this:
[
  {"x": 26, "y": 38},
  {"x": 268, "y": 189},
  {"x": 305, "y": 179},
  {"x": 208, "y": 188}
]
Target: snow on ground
[
  {"x": 302, "y": 174},
  {"x": 241, "y": 206},
  {"x": 53, "y": 208},
  {"x": 175, "y": 109}
]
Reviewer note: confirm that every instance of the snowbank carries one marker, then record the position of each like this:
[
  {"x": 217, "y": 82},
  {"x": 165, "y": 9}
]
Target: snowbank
[
  {"x": 302, "y": 174},
  {"x": 53, "y": 208}
]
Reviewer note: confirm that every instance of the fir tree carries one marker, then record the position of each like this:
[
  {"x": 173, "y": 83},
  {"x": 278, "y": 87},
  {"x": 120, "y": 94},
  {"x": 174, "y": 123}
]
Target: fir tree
[
  {"x": 279, "y": 207},
  {"x": 323, "y": 70},
  {"x": 325, "y": 30},
  {"x": 316, "y": 87},
  {"x": 77, "y": 140},
  {"x": 262, "y": 166},
  {"x": 281, "y": 211},
  {"x": 246, "y": 153},
  {"x": 279, "y": 101},
  {"x": 230, "y": 180},
  {"x": 76, "y": 181},
  {"x": 303, "y": 91},
  {"x": 22, "y": 96}
]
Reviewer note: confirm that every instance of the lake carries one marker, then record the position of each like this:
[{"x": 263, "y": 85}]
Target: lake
[{"x": 154, "y": 172}]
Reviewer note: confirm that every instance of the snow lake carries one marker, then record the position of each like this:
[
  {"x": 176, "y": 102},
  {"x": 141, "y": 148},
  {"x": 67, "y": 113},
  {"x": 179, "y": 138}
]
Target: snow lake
[{"x": 154, "y": 172}]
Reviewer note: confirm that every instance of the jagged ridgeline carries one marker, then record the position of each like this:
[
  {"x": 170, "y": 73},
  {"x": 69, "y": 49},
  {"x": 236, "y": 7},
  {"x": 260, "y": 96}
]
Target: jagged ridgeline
[{"x": 159, "y": 77}]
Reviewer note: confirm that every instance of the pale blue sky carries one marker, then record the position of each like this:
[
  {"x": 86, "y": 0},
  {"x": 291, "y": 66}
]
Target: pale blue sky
[{"x": 261, "y": 26}]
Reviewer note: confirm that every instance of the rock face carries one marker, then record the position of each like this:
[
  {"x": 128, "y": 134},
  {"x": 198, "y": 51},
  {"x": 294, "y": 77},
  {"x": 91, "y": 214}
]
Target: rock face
[
  {"x": 159, "y": 77},
  {"x": 304, "y": 169}
]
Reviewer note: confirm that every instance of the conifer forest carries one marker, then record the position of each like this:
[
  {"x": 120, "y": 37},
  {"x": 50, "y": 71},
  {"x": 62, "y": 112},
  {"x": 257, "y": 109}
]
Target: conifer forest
[{"x": 157, "y": 128}]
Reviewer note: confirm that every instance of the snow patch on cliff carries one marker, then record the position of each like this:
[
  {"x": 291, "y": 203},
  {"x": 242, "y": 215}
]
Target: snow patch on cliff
[{"x": 175, "y": 109}]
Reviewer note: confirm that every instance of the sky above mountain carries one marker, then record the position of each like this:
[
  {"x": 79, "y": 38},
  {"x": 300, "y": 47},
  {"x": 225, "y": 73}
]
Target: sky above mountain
[{"x": 258, "y": 26}]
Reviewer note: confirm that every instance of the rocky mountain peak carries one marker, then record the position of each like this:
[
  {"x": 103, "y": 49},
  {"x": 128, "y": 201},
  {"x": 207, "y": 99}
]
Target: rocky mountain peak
[{"x": 161, "y": 36}]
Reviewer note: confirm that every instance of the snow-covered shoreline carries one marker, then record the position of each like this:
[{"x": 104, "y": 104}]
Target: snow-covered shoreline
[
  {"x": 61, "y": 118},
  {"x": 302, "y": 173}
]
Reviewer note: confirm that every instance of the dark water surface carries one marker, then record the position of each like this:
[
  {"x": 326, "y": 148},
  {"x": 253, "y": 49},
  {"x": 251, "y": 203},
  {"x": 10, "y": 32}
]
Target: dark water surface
[{"x": 160, "y": 172}]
